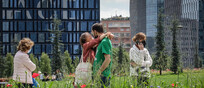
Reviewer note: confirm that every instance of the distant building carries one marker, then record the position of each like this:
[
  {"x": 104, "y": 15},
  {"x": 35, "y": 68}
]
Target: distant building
[
  {"x": 190, "y": 36},
  {"x": 33, "y": 18},
  {"x": 120, "y": 27},
  {"x": 143, "y": 18}
]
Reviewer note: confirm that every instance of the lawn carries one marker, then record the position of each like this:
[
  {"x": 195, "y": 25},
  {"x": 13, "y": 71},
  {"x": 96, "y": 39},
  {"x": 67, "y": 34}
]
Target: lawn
[{"x": 187, "y": 79}]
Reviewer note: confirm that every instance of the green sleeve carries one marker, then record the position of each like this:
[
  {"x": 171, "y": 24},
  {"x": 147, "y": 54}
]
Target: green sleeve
[{"x": 106, "y": 48}]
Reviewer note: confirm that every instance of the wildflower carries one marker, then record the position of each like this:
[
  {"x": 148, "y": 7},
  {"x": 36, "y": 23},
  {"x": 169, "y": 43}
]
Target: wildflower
[
  {"x": 83, "y": 86},
  {"x": 158, "y": 87},
  {"x": 131, "y": 86},
  {"x": 35, "y": 75},
  {"x": 173, "y": 85},
  {"x": 151, "y": 86},
  {"x": 9, "y": 85}
]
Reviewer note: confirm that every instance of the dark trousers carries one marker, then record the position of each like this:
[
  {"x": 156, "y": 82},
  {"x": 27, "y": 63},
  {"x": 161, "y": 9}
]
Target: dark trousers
[{"x": 105, "y": 81}]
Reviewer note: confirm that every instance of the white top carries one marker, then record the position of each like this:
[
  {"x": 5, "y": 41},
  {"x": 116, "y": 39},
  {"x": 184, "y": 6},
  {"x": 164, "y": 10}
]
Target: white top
[
  {"x": 23, "y": 68},
  {"x": 41, "y": 76},
  {"x": 143, "y": 61}
]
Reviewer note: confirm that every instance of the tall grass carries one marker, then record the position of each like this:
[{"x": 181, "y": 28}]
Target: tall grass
[{"x": 188, "y": 79}]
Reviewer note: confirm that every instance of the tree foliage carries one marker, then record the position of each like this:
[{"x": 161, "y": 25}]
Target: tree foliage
[
  {"x": 76, "y": 62},
  {"x": 120, "y": 61},
  {"x": 56, "y": 42},
  {"x": 69, "y": 67},
  {"x": 45, "y": 63},
  {"x": 36, "y": 62},
  {"x": 2, "y": 64},
  {"x": 160, "y": 59},
  {"x": 9, "y": 65},
  {"x": 175, "y": 52}
]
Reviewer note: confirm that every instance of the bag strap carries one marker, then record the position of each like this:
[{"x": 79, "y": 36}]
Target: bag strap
[
  {"x": 88, "y": 59},
  {"x": 81, "y": 60}
]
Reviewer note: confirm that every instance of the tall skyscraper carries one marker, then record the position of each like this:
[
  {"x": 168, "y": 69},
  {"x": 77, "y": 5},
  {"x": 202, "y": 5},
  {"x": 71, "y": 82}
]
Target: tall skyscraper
[
  {"x": 201, "y": 29},
  {"x": 33, "y": 18},
  {"x": 189, "y": 37},
  {"x": 143, "y": 18}
]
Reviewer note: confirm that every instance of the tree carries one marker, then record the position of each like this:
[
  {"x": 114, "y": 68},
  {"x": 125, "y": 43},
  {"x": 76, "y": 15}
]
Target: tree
[
  {"x": 56, "y": 42},
  {"x": 120, "y": 61},
  {"x": 196, "y": 63},
  {"x": 160, "y": 59},
  {"x": 45, "y": 63},
  {"x": 76, "y": 62},
  {"x": 175, "y": 52},
  {"x": 9, "y": 65},
  {"x": 36, "y": 62},
  {"x": 68, "y": 62},
  {"x": 2, "y": 64},
  {"x": 2, "y": 67}
]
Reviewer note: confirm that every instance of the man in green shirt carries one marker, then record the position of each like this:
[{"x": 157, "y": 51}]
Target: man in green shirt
[{"x": 103, "y": 59}]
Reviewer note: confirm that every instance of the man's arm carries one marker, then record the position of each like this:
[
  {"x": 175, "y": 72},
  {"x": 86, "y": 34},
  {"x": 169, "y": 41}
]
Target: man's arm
[{"x": 105, "y": 63}]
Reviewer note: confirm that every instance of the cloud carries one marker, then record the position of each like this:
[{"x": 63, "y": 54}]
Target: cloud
[
  {"x": 113, "y": 12},
  {"x": 118, "y": 1},
  {"x": 112, "y": 7}
]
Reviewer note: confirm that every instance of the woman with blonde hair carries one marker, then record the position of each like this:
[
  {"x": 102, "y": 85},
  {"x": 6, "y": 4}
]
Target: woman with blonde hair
[
  {"x": 23, "y": 66},
  {"x": 140, "y": 59}
]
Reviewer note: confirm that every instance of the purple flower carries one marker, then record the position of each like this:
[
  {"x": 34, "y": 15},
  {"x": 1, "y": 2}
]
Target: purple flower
[
  {"x": 158, "y": 87},
  {"x": 151, "y": 86}
]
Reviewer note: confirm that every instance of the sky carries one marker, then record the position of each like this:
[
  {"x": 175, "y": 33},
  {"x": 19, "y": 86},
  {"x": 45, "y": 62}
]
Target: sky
[{"x": 110, "y": 8}]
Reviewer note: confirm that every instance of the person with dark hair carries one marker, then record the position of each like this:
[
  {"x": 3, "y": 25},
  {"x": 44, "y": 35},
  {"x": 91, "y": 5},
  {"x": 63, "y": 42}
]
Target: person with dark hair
[
  {"x": 140, "y": 59},
  {"x": 103, "y": 59},
  {"x": 46, "y": 77},
  {"x": 23, "y": 66},
  {"x": 89, "y": 44}
]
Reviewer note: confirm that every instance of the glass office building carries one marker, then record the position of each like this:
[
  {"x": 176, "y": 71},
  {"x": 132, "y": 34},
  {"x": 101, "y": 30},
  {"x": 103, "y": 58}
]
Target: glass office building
[
  {"x": 33, "y": 19},
  {"x": 143, "y": 18}
]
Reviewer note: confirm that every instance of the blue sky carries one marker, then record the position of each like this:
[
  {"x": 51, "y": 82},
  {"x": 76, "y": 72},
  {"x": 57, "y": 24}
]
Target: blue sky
[{"x": 110, "y": 8}]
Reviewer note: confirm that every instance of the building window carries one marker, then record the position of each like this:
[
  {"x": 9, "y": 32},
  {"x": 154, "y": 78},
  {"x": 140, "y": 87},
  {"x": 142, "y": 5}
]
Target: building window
[
  {"x": 5, "y": 26},
  {"x": 5, "y": 3},
  {"x": 17, "y": 37},
  {"x": 83, "y": 26},
  {"x": 29, "y": 26},
  {"x": 72, "y": 14},
  {"x": 76, "y": 49},
  {"x": 91, "y": 3},
  {"x": 21, "y": 26},
  {"x": 121, "y": 29},
  {"x": 41, "y": 37},
  {"x": 128, "y": 29},
  {"x": 87, "y": 14},
  {"x": 5, "y": 37},
  {"x": 76, "y": 3}
]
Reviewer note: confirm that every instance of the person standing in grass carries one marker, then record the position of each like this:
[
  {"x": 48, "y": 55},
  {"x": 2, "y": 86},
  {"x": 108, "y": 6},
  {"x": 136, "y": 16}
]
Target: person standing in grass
[
  {"x": 140, "y": 59},
  {"x": 23, "y": 66},
  {"x": 103, "y": 59}
]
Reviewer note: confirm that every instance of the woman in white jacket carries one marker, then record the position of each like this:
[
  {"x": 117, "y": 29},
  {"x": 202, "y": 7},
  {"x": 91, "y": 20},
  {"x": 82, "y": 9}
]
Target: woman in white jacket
[
  {"x": 23, "y": 66},
  {"x": 140, "y": 59}
]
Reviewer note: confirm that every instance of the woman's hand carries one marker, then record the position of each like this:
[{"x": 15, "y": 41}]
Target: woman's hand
[
  {"x": 141, "y": 46},
  {"x": 110, "y": 35},
  {"x": 133, "y": 64}
]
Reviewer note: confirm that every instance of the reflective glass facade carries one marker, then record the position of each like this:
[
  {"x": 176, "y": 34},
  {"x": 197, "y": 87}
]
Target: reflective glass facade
[
  {"x": 190, "y": 36},
  {"x": 201, "y": 28},
  {"x": 143, "y": 18},
  {"x": 33, "y": 18}
]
